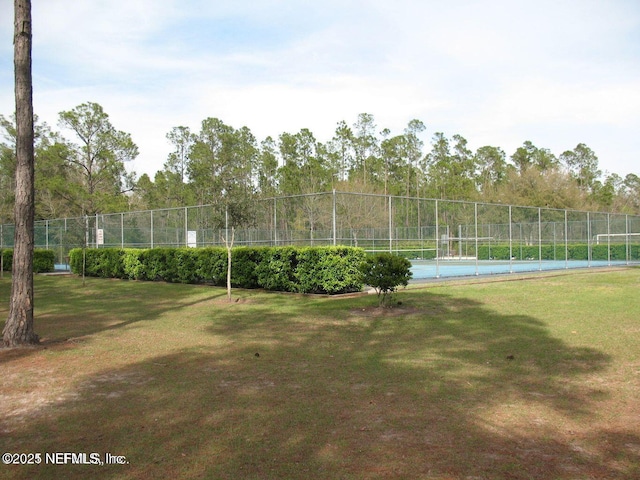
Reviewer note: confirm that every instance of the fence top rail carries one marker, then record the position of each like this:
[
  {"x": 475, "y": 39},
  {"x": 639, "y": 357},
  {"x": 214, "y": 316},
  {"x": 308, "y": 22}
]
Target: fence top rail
[{"x": 337, "y": 192}]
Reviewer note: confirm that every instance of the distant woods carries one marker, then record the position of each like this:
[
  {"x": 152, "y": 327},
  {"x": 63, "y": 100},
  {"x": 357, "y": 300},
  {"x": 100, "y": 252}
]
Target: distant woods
[{"x": 81, "y": 170}]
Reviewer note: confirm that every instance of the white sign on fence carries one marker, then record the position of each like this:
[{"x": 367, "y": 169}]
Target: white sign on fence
[
  {"x": 100, "y": 237},
  {"x": 192, "y": 236}
]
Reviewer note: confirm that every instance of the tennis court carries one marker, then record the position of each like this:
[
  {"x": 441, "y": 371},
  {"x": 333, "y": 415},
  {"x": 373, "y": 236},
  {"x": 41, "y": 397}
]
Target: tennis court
[{"x": 448, "y": 268}]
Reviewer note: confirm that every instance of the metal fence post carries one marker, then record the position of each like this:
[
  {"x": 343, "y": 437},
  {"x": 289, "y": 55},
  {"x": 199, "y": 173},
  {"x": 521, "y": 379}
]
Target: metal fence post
[
  {"x": 475, "y": 218},
  {"x": 333, "y": 222},
  {"x": 186, "y": 227},
  {"x": 588, "y": 240},
  {"x": 539, "y": 239},
  {"x": 510, "y": 241},
  {"x": 390, "y": 227},
  {"x": 608, "y": 239},
  {"x": 437, "y": 242},
  {"x": 628, "y": 248},
  {"x": 566, "y": 241},
  {"x": 275, "y": 221}
]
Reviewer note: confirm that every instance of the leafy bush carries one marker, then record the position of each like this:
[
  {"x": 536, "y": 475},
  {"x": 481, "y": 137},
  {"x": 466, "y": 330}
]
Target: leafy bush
[
  {"x": 43, "y": 260},
  {"x": 103, "y": 262},
  {"x": 75, "y": 260},
  {"x": 244, "y": 263},
  {"x": 133, "y": 269},
  {"x": 185, "y": 265},
  {"x": 329, "y": 270},
  {"x": 158, "y": 264},
  {"x": 277, "y": 270},
  {"x": 413, "y": 253},
  {"x": 211, "y": 265},
  {"x": 578, "y": 251},
  {"x": 307, "y": 270},
  {"x": 385, "y": 272},
  {"x": 7, "y": 259}
]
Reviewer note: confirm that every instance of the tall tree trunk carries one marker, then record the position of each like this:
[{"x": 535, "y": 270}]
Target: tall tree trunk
[{"x": 18, "y": 329}]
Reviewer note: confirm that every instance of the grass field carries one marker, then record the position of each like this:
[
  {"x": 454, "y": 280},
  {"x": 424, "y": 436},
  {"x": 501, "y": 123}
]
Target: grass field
[{"x": 535, "y": 378}]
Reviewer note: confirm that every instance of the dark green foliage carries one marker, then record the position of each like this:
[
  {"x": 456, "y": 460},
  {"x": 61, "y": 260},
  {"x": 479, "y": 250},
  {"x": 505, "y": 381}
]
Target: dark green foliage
[
  {"x": 277, "y": 269},
  {"x": 418, "y": 253},
  {"x": 75, "y": 260},
  {"x": 7, "y": 259},
  {"x": 158, "y": 264},
  {"x": 557, "y": 252},
  {"x": 185, "y": 264},
  {"x": 103, "y": 262},
  {"x": 244, "y": 262},
  {"x": 329, "y": 270},
  {"x": 385, "y": 272},
  {"x": 211, "y": 265},
  {"x": 306, "y": 270},
  {"x": 43, "y": 260}
]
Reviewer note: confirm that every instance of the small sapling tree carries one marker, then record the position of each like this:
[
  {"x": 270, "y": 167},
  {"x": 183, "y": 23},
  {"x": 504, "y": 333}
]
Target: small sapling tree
[
  {"x": 385, "y": 272},
  {"x": 229, "y": 246}
]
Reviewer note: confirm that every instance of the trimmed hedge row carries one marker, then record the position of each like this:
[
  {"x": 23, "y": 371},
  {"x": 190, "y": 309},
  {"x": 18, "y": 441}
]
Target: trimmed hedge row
[
  {"x": 417, "y": 253},
  {"x": 549, "y": 252},
  {"x": 43, "y": 260},
  {"x": 329, "y": 270}
]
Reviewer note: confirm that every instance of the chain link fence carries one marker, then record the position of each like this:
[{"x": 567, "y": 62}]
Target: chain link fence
[{"x": 415, "y": 227}]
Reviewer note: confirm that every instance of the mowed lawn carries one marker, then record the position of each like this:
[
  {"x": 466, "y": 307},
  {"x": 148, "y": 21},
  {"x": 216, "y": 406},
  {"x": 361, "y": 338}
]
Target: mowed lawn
[{"x": 498, "y": 378}]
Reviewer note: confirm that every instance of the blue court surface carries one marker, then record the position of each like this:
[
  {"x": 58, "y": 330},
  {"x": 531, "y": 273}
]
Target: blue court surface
[{"x": 434, "y": 269}]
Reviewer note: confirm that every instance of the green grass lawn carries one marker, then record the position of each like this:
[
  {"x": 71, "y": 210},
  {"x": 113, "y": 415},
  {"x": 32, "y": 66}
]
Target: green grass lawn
[{"x": 534, "y": 378}]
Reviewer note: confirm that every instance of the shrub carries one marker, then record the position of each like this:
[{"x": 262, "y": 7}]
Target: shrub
[
  {"x": 308, "y": 270},
  {"x": 277, "y": 270},
  {"x": 385, "y": 272},
  {"x": 158, "y": 263},
  {"x": 575, "y": 251},
  {"x": 7, "y": 259},
  {"x": 43, "y": 260},
  {"x": 133, "y": 269},
  {"x": 211, "y": 265},
  {"x": 244, "y": 263},
  {"x": 330, "y": 270},
  {"x": 75, "y": 260},
  {"x": 185, "y": 265},
  {"x": 99, "y": 262}
]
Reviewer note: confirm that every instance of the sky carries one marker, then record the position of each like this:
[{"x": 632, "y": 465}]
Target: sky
[{"x": 498, "y": 72}]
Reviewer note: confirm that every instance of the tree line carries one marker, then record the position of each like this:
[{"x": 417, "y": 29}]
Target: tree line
[{"x": 228, "y": 167}]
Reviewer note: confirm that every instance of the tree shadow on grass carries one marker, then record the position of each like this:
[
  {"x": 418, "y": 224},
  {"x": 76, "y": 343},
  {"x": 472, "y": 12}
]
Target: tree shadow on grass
[
  {"x": 446, "y": 389},
  {"x": 64, "y": 311}
]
